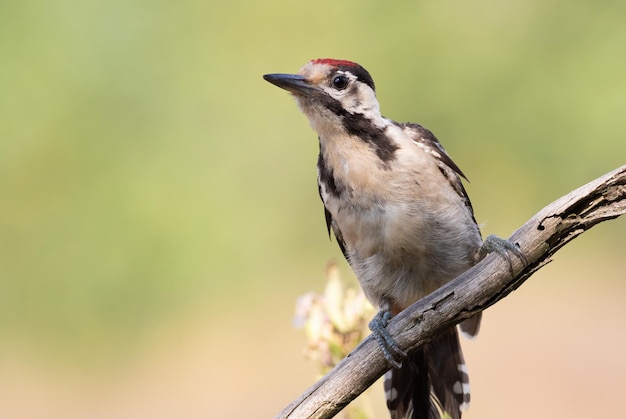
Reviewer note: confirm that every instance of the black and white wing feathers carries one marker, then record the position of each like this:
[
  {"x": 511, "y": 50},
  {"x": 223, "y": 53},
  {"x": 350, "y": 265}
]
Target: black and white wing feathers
[{"x": 427, "y": 141}]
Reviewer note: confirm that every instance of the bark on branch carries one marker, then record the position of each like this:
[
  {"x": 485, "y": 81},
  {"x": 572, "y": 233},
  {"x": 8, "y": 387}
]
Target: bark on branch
[{"x": 483, "y": 285}]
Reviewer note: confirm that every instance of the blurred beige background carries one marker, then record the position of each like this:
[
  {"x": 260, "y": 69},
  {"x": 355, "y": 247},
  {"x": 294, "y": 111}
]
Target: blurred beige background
[{"x": 159, "y": 214}]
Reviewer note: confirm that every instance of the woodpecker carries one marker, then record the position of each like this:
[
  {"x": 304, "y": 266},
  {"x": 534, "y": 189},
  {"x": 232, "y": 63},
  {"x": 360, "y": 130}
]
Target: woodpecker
[{"x": 402, "y": 218}]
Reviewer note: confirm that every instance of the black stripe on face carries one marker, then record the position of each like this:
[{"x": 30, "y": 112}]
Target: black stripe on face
[{"x": 359, "y": 126}]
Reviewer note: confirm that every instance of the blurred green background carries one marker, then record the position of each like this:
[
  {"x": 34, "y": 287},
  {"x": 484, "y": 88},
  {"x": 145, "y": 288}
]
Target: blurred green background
[{"x": 159, "y": 213}]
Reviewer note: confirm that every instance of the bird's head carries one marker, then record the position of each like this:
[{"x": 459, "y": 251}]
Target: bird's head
[{"x": 327, "y": 90}]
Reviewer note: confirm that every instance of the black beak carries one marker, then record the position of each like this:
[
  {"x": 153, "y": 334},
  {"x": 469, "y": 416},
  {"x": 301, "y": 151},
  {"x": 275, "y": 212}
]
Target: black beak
[{"x": 293, "y": 83}]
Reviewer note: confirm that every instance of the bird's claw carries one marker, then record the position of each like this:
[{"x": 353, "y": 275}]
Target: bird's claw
[
  {"x": 503, "y": 247},
  {"x": 392, "y": 352}
]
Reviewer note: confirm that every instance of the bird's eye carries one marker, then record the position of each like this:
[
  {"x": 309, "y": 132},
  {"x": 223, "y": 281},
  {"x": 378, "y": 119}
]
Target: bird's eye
[{"x": 340, "y": 82}]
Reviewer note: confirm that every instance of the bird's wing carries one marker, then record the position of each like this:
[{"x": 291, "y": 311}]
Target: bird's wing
[
  {"x": 427, "y": 141},
  {"x": 329, "y": 223}
]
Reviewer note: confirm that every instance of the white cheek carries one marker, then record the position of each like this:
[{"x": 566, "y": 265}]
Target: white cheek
[{"x": 364, "y": 102}]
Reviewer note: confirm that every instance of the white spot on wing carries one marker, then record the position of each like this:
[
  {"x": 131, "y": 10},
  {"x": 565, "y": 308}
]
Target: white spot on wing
[{"x": 428, "y": 150}]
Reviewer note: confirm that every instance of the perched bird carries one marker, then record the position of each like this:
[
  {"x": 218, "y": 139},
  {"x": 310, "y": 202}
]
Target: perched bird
[{"x": 403, "y": 220}]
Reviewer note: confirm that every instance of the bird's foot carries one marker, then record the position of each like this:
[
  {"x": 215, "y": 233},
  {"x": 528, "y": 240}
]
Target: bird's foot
[
  {"x": 392, "y": 352},
  {"x": 503, "y": 247}
]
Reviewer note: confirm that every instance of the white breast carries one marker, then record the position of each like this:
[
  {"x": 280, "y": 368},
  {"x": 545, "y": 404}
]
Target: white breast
[{"x": 406, "y": 230}]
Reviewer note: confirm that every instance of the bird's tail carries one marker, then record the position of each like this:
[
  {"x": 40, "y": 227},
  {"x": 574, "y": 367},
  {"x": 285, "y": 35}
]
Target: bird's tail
[{"x": 432, "y": 381}]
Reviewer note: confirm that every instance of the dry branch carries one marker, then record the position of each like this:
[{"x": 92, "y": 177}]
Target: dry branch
[{"x": 475, "y": 290}]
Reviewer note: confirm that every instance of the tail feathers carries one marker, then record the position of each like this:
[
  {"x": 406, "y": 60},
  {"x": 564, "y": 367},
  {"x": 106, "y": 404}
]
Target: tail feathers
[
  {"x": 470, "y": 327},
  {"x": 407, "y": 389},
  {"x": 432, "y": 381}
]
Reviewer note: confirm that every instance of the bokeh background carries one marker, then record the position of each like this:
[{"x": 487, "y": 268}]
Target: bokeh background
[{"x": 159, "y": 213}]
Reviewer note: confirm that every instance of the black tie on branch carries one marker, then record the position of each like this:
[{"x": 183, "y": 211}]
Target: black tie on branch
[{"x": 475, "y": 290}]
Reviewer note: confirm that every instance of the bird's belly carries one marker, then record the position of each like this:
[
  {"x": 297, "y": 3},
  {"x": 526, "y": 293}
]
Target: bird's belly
[{"x": 403, "y": 251}]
